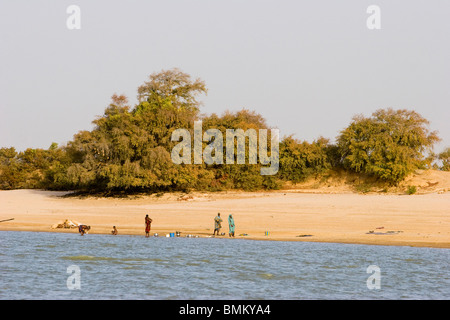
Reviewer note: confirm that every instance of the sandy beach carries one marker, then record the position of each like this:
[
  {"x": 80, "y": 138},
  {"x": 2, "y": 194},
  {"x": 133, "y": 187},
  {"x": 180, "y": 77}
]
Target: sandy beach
[{"x": 289, "y": 215}]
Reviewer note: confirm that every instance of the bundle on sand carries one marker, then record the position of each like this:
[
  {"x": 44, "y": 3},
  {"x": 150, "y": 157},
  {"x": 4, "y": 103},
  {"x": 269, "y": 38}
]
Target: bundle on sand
[{"x": 67, "y": 224}]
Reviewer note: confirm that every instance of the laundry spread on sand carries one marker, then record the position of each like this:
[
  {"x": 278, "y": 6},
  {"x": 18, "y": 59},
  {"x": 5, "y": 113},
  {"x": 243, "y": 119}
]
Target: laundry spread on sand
[
  {"x": 384, "y": 233},
  {"x": 66, "y": 224}
]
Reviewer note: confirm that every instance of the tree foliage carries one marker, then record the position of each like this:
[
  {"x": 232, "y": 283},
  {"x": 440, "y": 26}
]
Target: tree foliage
[
  {"x": 444, "y": 156},
  {"x": 31, "y": 168},
  {"x": 129, "y": 148},
  {"x": 300, "y": 160},
  {"x": 172, "y": 87},
  {"x": 240, "y": 176},
  {"x": 389, "y": 145}
]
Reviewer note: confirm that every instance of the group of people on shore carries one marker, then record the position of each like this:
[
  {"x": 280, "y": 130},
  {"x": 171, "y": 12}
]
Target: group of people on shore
[
  {"x": 218, "y": 225},
  {"x": 148, "y": 225}
]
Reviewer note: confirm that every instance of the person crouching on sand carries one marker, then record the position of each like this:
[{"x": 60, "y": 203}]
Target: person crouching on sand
[
  {"x": 148, "y": 225},
  {"x": 114, "y": 231},
  {"x": 82, "y": 229}
]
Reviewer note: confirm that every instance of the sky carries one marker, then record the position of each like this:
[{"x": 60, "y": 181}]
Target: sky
[{"x": 306, "y": 66}]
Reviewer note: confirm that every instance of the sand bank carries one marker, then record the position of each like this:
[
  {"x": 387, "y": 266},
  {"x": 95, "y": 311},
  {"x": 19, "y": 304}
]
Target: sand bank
[{"x": 384, "y": 219}]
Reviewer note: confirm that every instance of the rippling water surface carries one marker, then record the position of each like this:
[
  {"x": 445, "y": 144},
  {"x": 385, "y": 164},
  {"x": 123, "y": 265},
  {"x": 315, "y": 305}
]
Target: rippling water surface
[{"x": 35, "y": 266}]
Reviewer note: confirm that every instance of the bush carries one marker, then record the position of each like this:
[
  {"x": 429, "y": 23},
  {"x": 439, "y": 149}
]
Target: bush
[
  {"x": 411, "y": 190},
  {"x": 301, "y": 160},
  {"x": 389, "y": 145}
]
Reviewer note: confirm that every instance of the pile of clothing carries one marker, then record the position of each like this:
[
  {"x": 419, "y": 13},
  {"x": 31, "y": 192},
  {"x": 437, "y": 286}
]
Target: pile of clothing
[{"x": 66, "y": 224}]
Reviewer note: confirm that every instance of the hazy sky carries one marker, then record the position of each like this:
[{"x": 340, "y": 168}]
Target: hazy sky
[{"x": 306, "y": 66}]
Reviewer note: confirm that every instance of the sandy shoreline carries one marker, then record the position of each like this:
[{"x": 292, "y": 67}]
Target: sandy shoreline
[{"x": 382, "y": 219}]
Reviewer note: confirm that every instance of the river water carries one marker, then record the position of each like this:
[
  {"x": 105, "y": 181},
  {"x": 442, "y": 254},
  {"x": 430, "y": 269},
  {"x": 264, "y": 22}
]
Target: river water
[{"x": 39, "y": 265}]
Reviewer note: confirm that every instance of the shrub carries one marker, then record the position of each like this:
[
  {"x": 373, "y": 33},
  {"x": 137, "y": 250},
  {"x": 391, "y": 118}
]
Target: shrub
[{"x": 411, "y": 190}]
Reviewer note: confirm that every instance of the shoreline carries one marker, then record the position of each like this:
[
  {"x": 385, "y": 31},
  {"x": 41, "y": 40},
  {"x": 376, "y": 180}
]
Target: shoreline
[
  {"x": 370, "y": 219},
  {"x": 255, "y": 238}
]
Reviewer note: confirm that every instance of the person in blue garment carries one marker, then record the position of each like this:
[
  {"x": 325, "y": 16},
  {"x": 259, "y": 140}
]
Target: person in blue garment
[{"x": 231, "y": 226}]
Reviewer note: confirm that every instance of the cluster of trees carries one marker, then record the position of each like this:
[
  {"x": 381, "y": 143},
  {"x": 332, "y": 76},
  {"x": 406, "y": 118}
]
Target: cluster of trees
[
  {"x": 129, "y": 148},
  {"x": 32, "y": 168}
]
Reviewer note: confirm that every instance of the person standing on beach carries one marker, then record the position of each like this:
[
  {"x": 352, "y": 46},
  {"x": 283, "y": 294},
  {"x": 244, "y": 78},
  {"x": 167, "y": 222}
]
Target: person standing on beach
[
  {"x": 217, "y": 224},
  {"x": 148, "y": 225},
  {"x": 231, "y": 226}
]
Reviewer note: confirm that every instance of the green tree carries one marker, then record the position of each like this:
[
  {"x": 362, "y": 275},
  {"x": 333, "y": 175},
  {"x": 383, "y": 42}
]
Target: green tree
[
  {"x": 10, "y": 174},
  {"x": 129, "y": 148},
  {"x": 389, "y": 145},
  {"x": 444, "y": 156},
  {"x": 174, "y": 87},
  {"x": 300, "y": 160},
  {"x": 238, "y": 176},
  {"x": 29, "y": 169}
]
